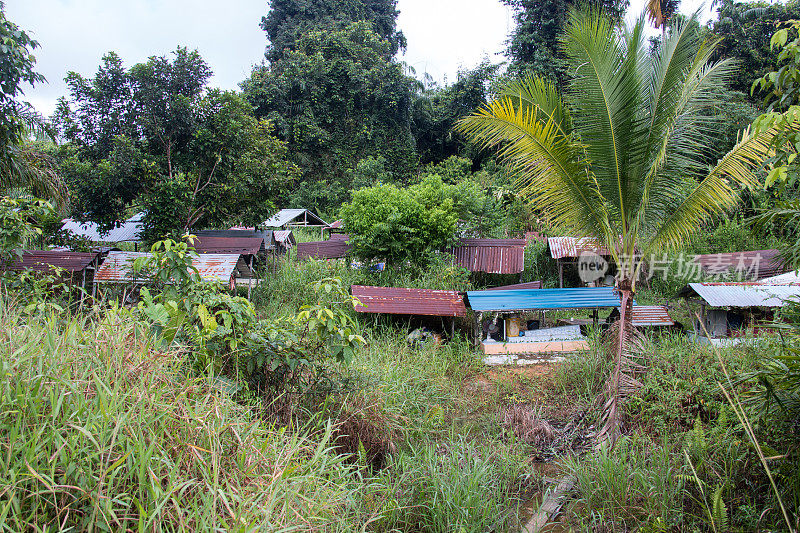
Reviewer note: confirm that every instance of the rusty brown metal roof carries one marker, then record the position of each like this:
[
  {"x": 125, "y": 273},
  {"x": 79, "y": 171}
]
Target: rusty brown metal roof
[
  {"x": 571, "y": 247},
  {"x": 651, "y": 315},
  {"x": 754, "y": 264},
  {"x": 339, "y": 237},
  {"x": 42, "y": 260},
  {"x": 518, "y": 286},
  {"x": 229, "y": 245},
  {"x": 401, "y": 301},
  {"x": 495, "y": 256},
  {"x": 331, "y": 249},
  {"x": 117, "y": 267}
]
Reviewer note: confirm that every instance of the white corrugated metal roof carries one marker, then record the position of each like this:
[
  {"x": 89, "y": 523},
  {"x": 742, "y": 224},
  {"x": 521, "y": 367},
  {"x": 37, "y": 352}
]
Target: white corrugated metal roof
[
  {"x": 129, "y": 231},
  {"x": 746, "y": 294},
  {"x": 287, "y": 216}
]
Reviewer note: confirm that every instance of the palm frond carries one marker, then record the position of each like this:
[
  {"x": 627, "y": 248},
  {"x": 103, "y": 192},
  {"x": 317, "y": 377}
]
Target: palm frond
[
  {"x": 541, "y": 94},
  {"x": 606, "y": 91},
  {"x": 718, "y": 192},
  {"x": 544, "y": 161},
  {"x": 27, "y": 167}
]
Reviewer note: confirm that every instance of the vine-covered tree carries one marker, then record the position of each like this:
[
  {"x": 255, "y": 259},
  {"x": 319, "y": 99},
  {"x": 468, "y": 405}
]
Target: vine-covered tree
[
  {"x": 288, "y": 20},
  {"x": 534, "y": 44},
  {"x": 336, "y": 100}
]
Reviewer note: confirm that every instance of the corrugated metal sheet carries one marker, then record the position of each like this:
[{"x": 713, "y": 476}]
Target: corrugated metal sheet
[
  {"x": 742, "y": 294},
  {"x": 332, "y": 249},
  {"x": 220, "y": 267},
  {"x": 494, "y": 256},
  {"x": 754, "y": 264},
  {"x": 782, "y": 279},
  {"x": 229, "y": 245},
  {"x": 401, "y": 301},
  {"x": 571, "y": 247},
  {"x": 128, "y": 231},
  {"x": 284, "y": 237},
  {"x": 285, "y": 217},
  {"x": 42, "y": 260},
  {"x": 518, "y": 286},
  {"x": 339, "y": 237},
  {"x": 651, "y": 316},
  {"x": 336, "y": 224},
  {"x": 520, "y": 300},
  {"x": 267, "y": 235}
]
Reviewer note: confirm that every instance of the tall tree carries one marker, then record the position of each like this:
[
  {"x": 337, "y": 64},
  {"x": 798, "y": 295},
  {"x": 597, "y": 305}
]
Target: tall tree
[
  {"x": 154, "y": 136},
  {"x": 619, "y": 156},
  {"x": 21, "y": 165},
  {"x": 335, "y": 100},
  {"x": 288, "y": 20},
  {"x": 534, "y": 44}
]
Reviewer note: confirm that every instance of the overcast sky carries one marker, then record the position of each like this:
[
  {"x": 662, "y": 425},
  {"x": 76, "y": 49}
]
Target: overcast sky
[{"x": 443, "y": 35}]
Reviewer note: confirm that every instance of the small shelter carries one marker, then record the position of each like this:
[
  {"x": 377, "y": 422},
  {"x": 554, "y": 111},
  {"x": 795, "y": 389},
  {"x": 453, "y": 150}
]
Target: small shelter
[
  {"x": 330, "y": 249},
  {"x": 267, "y": 236},
  {"x": 567, "y": 250},
  {"x": 286, "y": 218},
  {"x": 504, "y": 340},
  {"x": 646, "y": 316},
  {"x": 284, "y": 239},
  {"x": 128, "y": 231},
  {"x": 494, "y": 256},
  {"x": 412, "y": 302},
  {"x": 73, "y": 263},
  {"x": 726, "y": 309},
  {"x": 225, "y": 268}
]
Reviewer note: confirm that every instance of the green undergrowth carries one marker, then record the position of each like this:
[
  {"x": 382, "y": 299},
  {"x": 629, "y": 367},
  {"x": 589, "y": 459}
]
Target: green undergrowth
[{"x": 100, "y": 431}]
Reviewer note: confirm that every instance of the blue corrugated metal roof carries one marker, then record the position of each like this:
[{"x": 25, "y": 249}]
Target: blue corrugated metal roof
[{"x": 519, "y": 300}]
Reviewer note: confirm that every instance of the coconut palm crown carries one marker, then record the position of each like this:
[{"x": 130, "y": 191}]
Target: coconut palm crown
[{"x": 622, "y": 155}]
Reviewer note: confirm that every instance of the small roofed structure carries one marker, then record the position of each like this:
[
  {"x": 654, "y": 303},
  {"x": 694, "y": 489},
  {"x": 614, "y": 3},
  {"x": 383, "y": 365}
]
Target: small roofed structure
[
  {"x": 330, "y": 249},
  {"x": 746, "y": 266},
  {"x": 225, "y": 268},
  {"x": 81, "y": 263},
  {"x": 411, "y": 302},
  {"x": 646, "y": 316},
  {"x": 402, "y": 301},
  {"x": 493, "y": 256},
  {"x": 251, "y": 246},
  {"x": 726, "y": 309},
  {"x": 567, "y": 250},
  {"x": 504, "y": 340},
  {"x": 268, "y": 236},
  {"x": 293, "y": 217},
  {"x": 284, "y": 239},
  {"x": 128, "y": 231}
]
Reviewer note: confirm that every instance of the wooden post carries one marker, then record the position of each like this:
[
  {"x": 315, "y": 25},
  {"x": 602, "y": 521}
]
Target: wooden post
[
  {"x": 479, "y": 329},
  {"x": 560, "y": 274},
  {"x": 250, "y": 281},
  {"x": 452, "y": 327}
]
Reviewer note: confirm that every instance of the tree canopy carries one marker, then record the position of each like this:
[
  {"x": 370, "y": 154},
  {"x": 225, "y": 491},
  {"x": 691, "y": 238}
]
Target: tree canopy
[
  {"x": 288, "y": 20},
  {"x": 154, "y": 137}
]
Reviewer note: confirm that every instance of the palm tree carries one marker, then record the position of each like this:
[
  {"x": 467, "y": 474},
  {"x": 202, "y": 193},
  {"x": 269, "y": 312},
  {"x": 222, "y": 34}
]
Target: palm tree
[
  {"x": 660, "y": 12},
  {"x": 619, "y": 156}
]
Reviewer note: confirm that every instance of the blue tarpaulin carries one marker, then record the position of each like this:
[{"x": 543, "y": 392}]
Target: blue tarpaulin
[{"x": 522, "y": 300}]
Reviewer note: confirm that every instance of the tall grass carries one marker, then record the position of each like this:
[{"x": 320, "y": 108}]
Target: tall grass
[{"x": 100, "y": 431}]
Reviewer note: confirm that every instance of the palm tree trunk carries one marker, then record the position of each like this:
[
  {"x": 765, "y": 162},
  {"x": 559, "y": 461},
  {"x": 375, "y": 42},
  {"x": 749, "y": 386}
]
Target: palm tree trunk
[{"x": 626, "y": 346}]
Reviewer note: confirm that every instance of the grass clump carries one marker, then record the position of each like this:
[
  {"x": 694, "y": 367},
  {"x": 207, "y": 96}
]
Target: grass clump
[{"x": 100, "y": 431}]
